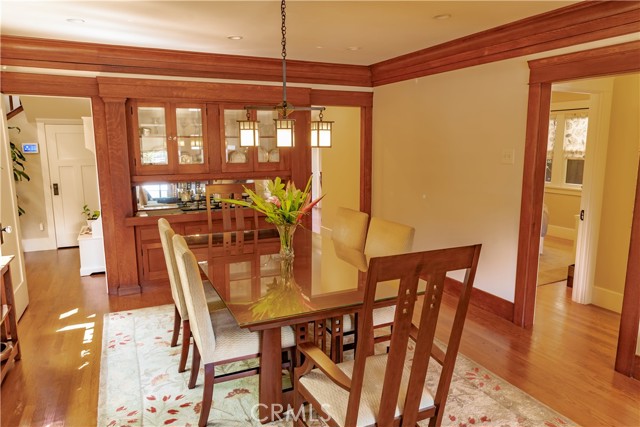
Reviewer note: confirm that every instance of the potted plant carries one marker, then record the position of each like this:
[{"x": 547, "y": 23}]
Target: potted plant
[{"x": 90, "y": 215}]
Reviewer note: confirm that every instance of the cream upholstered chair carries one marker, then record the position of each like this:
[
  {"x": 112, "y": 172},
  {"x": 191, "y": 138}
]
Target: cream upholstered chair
[
  {"x": 390, "y": 388},
  {"x": 181, "y": 315},
  {"x": 217, "y": 337},
  {"x": 349, "y": 235},
  {"x": 383, "y": 238}
]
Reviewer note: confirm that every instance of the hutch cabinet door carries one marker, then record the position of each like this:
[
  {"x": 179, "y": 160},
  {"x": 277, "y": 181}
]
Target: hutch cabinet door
[
  {"x": 267, "y": 156},
  {"x": 169, "y": 138},
  {"x": 190, "y": 138},
  {"x": 234, "y": 157},
  {"x": 150, "y": 136}
]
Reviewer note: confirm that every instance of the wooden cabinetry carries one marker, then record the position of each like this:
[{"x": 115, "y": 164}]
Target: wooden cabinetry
[
  {"x": 265, "y": 157},
  {"x": 151, "y": 264},
  {"x": 168, "y": 138},
  {"x": 9, "y": 325}
]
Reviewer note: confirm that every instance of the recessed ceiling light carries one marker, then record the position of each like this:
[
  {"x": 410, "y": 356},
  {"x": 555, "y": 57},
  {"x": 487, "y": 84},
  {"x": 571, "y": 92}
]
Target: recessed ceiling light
[
  {"x": 319, "y": 47},
  {"x": 442, "y": 17},
  {"x": 235, "y": 37},
  {"x": 354, "y": 48},
  {"x": 75, "y": 20}
]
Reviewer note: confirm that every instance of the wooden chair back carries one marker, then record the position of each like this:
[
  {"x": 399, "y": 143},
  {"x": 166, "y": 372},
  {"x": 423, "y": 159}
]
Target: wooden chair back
[
  {"x": 432, "y": 266},
  {"x": 232, "y": 215}
]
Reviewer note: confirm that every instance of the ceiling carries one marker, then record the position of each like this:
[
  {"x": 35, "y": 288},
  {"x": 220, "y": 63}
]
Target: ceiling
[{"x": 348, "y": 32}]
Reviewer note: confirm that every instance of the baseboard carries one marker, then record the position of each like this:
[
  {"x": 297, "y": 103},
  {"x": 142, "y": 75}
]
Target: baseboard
[
  {"x": 481, "y": 299},
  {"x": 561, "y": 232},
  {"x": 40, "y": 244},
  {"x": 608, "y": 299}
]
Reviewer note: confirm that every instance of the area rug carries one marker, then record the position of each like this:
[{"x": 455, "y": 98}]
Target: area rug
[{"x": 140, "y": 385}]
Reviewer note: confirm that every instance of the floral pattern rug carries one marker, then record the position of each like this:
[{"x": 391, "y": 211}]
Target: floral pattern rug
[{"x": 140, "y": 385}]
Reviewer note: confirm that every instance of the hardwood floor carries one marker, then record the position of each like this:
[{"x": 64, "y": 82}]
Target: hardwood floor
[
  {"x": 56, "y": 382},
  {"x": 566, "y": 361}
]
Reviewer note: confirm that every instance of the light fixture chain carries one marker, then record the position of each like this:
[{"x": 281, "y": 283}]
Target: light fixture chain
[{"x": 283, "y": 11}]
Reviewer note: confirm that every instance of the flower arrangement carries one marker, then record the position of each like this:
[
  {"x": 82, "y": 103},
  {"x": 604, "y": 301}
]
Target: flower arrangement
[{"x": 285, "y": 204}]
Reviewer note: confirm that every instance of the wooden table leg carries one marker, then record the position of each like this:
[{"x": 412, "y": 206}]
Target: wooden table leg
[{"x": 270, "y": 375}]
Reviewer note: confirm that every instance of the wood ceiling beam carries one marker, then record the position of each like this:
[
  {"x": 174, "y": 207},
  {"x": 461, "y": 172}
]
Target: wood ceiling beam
[{"x": 68, "y": 55}]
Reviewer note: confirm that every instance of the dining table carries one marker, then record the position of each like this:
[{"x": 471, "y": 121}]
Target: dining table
[{"x": 263, "y": 293}]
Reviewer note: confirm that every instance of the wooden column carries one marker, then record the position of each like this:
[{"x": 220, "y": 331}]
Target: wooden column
[
  {"x": 366, "y": 157},
  {"x": 116, "y": 201}
]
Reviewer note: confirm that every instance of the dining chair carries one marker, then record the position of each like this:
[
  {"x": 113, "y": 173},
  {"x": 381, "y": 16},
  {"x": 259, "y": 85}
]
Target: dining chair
[
  {"x": 181, "y": 316},
  {"x": 383, "y": 238},
  {"x": 230, "y": 222},
  {"x": 349, "y": 236},
  {"x": 390, "y": 388},
  {"x": 218, "y": 339}
]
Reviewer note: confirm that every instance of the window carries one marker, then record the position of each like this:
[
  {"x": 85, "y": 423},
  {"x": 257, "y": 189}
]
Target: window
[{"x": 566, "y": 147}]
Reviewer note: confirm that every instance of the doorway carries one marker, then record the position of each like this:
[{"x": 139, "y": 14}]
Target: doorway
[
  {"x": 67, "y": 123},
  {"x": 611, "y": 60}
]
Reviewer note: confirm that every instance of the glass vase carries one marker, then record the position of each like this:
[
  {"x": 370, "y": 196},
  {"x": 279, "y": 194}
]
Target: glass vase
[{"x": 286, "y": 232}]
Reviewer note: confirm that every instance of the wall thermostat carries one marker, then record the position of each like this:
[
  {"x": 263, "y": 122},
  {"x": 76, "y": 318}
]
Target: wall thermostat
[{"x": 31, "y": 148}]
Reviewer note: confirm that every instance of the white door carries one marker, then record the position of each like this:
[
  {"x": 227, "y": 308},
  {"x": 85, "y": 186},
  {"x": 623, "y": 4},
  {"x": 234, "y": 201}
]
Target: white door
[
  {"x": 9, "y": 218},
  {"x": 74, "y": 180}
]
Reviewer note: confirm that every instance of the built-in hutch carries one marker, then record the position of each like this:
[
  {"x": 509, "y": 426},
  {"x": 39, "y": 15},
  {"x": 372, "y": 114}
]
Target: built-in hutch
[{"x": 176, "y": 145}]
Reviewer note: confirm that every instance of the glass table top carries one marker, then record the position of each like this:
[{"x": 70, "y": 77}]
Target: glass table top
[{"x": 245, "y": 270}]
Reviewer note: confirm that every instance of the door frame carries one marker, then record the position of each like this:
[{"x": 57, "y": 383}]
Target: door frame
[
  {"x": 617, "y": 59},
  {"x": 13, "y": 241}
]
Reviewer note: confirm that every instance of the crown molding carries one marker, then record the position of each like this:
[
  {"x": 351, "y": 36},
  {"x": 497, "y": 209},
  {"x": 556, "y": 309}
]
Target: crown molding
[
  {"x": 571, "y": 25},
  {"x": 59, "y": 54}
]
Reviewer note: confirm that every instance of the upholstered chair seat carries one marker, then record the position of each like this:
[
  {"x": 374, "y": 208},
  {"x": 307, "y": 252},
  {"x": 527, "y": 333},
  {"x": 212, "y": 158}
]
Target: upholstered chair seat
[{"x": 335, "y": 399}]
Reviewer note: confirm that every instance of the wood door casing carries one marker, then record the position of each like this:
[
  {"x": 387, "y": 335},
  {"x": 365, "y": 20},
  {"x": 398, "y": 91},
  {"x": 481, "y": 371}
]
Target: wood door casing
[{"x": 611, "y": 60}]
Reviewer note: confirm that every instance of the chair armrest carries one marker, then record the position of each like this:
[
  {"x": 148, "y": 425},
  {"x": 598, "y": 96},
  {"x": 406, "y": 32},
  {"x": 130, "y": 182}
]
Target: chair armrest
[
  {"x": 318, "y": 358},
  {"x": 436, "y": 352}
]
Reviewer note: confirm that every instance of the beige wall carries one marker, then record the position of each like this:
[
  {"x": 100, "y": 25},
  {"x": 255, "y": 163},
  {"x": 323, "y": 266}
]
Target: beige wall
[
  {"x": 437, "y": 150},
  {"x": 30, "y": 193},
  {"x": 341, "y": 163},
  {"x": 619, "y": 192},
  {"x": 46, "y": 107}
]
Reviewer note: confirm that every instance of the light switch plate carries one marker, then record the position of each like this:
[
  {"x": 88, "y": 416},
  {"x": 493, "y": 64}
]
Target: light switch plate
[{"x": 508, "y": 157}]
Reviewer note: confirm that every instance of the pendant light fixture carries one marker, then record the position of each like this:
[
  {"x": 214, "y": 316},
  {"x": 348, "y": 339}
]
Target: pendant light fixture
[
  {"x": 321, "y": 133},
  {"x": 248, "y": 131},
  {"x": 285, "y": 127}
]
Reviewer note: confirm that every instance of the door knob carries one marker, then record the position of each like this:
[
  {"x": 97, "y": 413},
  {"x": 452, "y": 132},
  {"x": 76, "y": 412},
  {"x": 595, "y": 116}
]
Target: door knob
[{"x": 582, "y": 215}]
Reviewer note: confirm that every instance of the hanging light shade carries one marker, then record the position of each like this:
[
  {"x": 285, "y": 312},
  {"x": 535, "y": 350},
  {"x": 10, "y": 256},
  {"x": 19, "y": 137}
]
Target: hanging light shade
[
  {"x": 248, "y": 131},
  {"x": 285, "y": 135},
  {"x": 284, "y": 125},
  {"x": 321, "y": 133}
]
